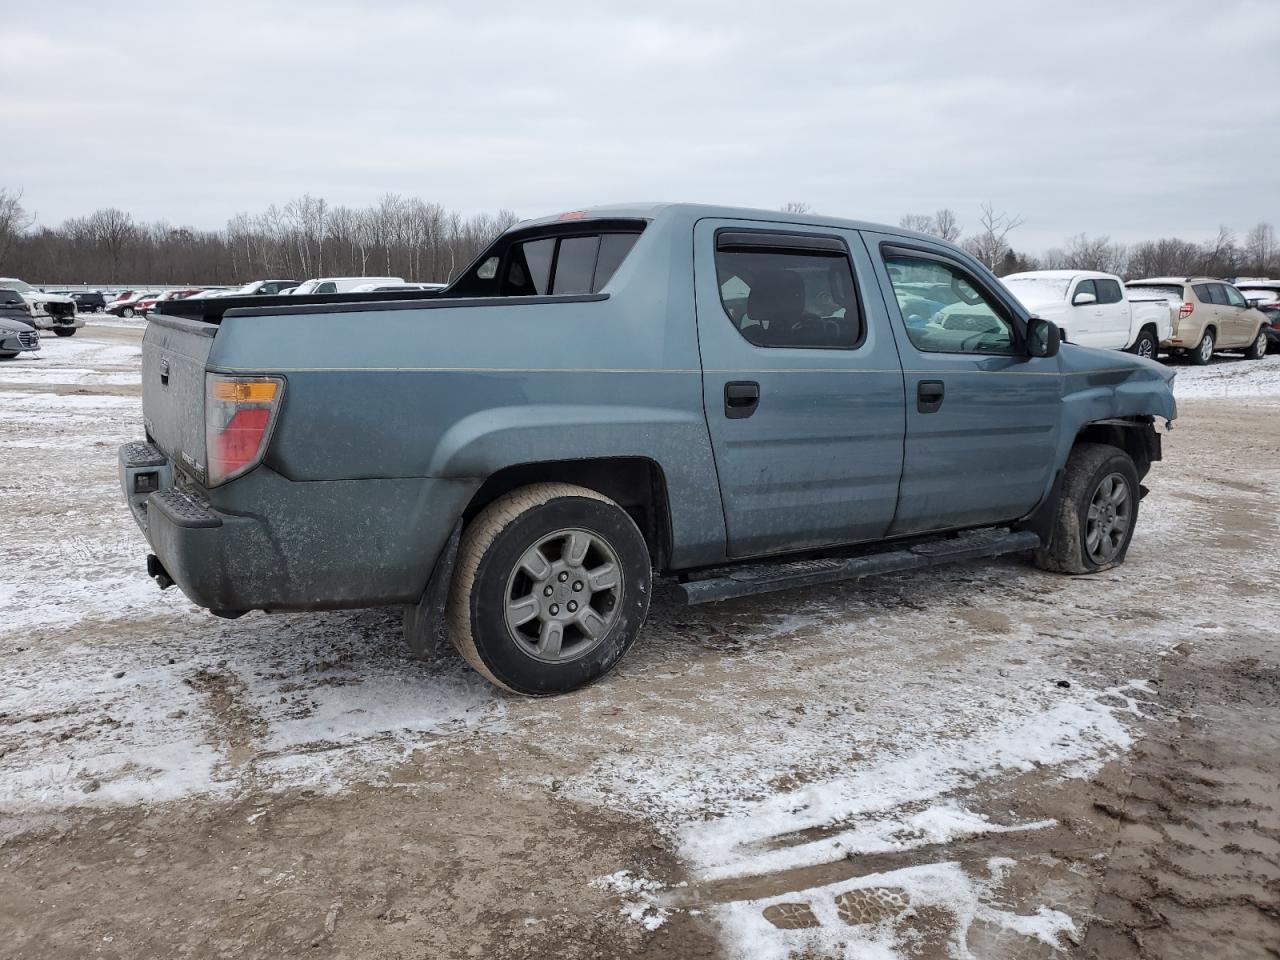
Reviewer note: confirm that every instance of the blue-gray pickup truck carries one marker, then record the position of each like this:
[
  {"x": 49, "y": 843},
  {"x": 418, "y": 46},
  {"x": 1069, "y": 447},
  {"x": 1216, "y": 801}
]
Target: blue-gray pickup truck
[{"x": 741, "y": 400}]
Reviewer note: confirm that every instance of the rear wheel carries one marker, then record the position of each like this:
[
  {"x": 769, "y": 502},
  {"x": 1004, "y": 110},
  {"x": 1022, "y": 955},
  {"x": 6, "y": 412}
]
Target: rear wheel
[
  {"x": 1097, "y": 512},
  {"x": 64, "y": 332},
  {"x": 550, "y": 590},
  {"x": 1146, "y": 345},
  {"x": 1258, "y": 349},
  {"x": 1203, "y": 351}
]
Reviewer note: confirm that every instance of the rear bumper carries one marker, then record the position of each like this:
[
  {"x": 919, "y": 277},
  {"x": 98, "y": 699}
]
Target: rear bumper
[{"x": 273, "y": 544}]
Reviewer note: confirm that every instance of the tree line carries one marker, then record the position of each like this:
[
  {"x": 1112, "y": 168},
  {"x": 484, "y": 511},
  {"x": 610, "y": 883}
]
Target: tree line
[
  {"x": 412, "y": 238},
  {"x": 307, "y": 237},
  {"x": 1224, "y": 255}
]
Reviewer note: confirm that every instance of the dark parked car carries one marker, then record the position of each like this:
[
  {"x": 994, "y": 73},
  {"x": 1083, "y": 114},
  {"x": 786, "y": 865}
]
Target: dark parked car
[
  {"x": 1264, "y": 295},
  {"x": 89, "y": 301},
  {"x": 17, "y": 333}
]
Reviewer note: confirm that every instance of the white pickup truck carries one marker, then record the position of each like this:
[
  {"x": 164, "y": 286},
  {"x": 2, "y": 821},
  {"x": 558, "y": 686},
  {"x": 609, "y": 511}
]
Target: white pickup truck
[{"x": 1093, "y": 309}]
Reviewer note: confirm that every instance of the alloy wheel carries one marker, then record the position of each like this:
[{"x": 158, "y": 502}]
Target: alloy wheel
[{"x": 564, "y": 595}]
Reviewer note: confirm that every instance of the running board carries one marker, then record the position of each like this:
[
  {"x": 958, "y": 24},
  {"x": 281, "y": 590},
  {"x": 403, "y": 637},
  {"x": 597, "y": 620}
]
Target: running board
[{"x": 757, "y": 578}]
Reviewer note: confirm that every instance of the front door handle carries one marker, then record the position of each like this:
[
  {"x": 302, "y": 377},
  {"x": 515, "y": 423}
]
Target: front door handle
[
  {"x": 741, "y": 397},
  {"x": 929, "y": 395}
]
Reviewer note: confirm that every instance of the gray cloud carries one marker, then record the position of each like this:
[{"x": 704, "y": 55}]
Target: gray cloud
[{"x": 1154, "y": 118}]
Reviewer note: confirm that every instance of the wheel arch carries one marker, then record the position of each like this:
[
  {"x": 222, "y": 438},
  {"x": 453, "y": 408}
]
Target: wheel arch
[{"x": 637, "y": 484}]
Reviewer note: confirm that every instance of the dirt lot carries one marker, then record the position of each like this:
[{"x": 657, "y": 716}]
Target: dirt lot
[{"x": 980, "y": 761}]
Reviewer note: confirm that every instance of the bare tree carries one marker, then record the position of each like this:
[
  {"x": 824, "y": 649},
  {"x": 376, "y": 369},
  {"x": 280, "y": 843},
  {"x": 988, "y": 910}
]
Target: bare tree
[
  {"x": 113, "y": 230},
  {"x": 991, "y": 244},
  {"x": 941, "y": 224},
  {"x": 1260, "y": 246},
  {"x": 946, "y": 226},
  {"x": 14, "y": 220},
  {"x": 1095, "y": 253},
  {"x": 919, "y": 222},
  {"x": 795, "y": 206}
]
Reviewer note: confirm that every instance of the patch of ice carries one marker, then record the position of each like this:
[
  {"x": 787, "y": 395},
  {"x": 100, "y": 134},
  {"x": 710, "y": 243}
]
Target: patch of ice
[
  {"x": 869, "y": 801},
  {"x": 943, "y": 888},
  {"x": 640, "y": 897}
]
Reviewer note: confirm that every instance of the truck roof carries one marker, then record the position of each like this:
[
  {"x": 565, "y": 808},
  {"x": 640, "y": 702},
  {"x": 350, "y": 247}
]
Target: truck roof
[{"x": 651, "y": 211}]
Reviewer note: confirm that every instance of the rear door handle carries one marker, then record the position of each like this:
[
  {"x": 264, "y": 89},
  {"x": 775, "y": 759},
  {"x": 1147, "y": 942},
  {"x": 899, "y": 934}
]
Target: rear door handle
[
  {"x": 929, "y": 395},
  {"x": 741, "y": 397}
]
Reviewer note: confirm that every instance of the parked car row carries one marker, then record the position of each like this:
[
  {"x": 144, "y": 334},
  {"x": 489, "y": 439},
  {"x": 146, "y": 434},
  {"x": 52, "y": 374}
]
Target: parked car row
[
  {"x": 48, "y": 311},
  {"x": 1191, "y": 317}
]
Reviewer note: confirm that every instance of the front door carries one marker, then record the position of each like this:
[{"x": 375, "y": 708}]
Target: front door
[
  {"x": 801, "y": 385},
  {"x": 982, "y": 416}
]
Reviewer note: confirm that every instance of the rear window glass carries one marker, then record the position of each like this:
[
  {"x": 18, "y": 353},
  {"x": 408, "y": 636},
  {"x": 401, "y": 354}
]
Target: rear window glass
[
  {"x": 1156, "y": 292},
  {"x": 562, "y": 265},
  {"x": 576, "y": 265}
]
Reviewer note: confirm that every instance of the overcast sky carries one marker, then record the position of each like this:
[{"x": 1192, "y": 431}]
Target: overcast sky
[{"x": 1130, "y": 119}]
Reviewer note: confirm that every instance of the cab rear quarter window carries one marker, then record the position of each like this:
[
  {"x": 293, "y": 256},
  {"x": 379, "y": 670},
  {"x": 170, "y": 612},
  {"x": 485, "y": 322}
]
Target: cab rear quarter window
[{"x": 555, "y": 260}]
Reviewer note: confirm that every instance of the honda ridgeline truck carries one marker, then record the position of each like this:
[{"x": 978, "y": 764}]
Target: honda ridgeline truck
[{"x": 731, "y": 397}]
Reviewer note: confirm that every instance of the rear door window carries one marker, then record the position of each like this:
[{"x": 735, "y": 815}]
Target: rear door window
[
  {"x": 1233, "y": 296},
  {"x": 1108, "y": 291},
  {"x": 789, "y": 298}
]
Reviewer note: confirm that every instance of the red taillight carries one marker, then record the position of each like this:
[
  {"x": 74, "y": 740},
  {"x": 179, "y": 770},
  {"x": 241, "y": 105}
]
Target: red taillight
[
  {"x": 237, "y": 445},
  {"x": 1186, "y": 310},
  {"x": 238, "y": 417}
]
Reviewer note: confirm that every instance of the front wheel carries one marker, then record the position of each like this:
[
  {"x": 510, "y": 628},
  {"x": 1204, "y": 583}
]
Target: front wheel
[
  {"x": 1258, "y": 349},
  {"x": 7, "y": 355},
  {"x": 60, "y": 331},
  {"x": 1203, "y": 351},
  {"x": 1097, "y": 512},
  {"x": 127, "y": 313},
  {"x": 1146, "y": 345},
  {"x": 550, "y": 590}
]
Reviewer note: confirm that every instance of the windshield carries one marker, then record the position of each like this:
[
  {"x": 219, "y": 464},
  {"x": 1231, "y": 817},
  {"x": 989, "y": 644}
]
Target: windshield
[
  {"x": 19, "y": 285},
  {"x": 1037, "y": 289},
  {"x": 307, "y": 287}
]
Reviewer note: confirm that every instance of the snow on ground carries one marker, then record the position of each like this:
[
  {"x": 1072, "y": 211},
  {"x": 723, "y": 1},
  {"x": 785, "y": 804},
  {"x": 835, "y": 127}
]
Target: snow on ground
[
  {"x": 874, "y": 716},
  {"x": 1229, "y": 378}
]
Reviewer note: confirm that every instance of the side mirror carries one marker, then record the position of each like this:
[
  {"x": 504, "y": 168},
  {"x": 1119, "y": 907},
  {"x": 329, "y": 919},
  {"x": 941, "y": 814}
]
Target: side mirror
[
  {"x": 1083, "y": 299},
  {"x": 1043, "y": 338},
  {"x": 1253, "y": 304}
]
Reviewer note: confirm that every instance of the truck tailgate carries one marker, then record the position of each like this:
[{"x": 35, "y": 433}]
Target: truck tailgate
[{"x": 174, "y": 353}]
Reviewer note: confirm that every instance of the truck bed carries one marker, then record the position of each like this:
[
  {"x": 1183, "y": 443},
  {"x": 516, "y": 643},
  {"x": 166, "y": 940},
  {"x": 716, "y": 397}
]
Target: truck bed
[{"x": 213, "y": 309}]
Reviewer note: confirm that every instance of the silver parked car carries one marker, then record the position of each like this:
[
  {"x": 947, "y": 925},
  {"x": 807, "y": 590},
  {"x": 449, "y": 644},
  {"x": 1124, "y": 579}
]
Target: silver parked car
[{"x": 17, "y": 332}]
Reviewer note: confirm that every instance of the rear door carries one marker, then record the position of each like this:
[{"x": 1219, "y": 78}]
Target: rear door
[
  {"x": 1114, "y": 317},
  {"x": 982, "y": 416},
  {"x": 1243, "y": 321},
  {"x": 801, "y": 384}
]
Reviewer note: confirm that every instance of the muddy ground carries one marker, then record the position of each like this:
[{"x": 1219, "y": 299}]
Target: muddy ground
[{"x": 980, "y": 761}]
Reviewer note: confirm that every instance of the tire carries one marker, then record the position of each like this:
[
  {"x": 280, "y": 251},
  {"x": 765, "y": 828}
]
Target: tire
[
  {"x": 1146, "y": 345},
  {"x": 7, "y": 355},
  {"x": 496, "y": 571},
  {"x": 1203, "y": 351},
  {"x": 64, "y": 333},
  {"x": 1258, "y": 349},
  {"x": 1071, "y": 549},
  {"x": 127, "y": 313}
]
